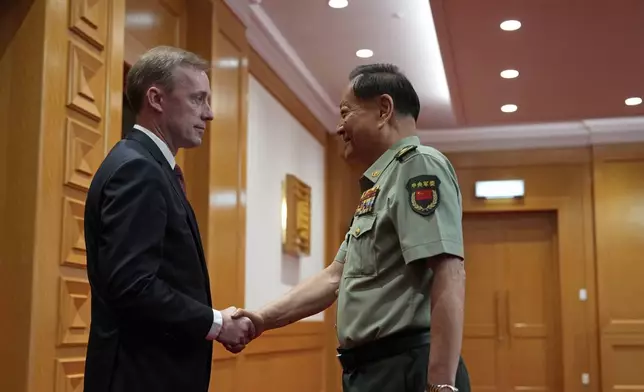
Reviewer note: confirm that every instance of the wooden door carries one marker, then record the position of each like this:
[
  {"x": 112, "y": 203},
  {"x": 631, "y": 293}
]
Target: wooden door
[{"x": 511, "y": 332}]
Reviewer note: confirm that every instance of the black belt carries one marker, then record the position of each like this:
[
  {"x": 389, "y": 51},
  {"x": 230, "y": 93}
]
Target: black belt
[{"x": 389, "y": 346}]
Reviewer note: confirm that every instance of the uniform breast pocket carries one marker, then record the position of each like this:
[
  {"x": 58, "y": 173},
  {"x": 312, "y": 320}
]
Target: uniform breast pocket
[{"x": 361, "y": 253}]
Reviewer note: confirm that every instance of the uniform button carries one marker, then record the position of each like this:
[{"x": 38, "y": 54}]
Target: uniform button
[
  {"x": 375, "y": 174},
  {"x": 357, "y": 230}
]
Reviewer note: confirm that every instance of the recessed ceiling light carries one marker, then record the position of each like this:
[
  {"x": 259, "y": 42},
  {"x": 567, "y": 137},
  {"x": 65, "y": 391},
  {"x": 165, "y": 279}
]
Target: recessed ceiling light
[
  {"x": 509, "y": 74},
  {"x": 338, "y": 3},
  {"x": 511, "y": 25},
  {"x": 633, "y": 101},
  {"x": 509, "y": 108},
  {"x": 364, "y": 53}
]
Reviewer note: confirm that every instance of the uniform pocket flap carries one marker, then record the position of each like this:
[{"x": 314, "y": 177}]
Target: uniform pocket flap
[{"x": 362, "y": 225}]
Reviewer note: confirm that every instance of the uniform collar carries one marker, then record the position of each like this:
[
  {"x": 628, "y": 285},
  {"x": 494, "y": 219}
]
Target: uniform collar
[{"x": 372, "y": 174}]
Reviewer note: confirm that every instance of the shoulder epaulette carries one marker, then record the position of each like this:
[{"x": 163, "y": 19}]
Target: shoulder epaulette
[{"x": 404, "y": 151}]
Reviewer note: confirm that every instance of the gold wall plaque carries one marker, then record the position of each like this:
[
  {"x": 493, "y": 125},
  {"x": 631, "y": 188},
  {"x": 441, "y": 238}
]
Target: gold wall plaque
[{"x": 296, "y": 217}]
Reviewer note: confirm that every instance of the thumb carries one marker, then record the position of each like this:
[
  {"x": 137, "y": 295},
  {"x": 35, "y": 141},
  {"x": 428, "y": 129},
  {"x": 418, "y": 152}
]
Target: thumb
[{"x": 238, "y": 313}]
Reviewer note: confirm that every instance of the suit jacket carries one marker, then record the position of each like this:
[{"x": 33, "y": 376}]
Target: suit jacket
[{"x": 151, "y": 304}]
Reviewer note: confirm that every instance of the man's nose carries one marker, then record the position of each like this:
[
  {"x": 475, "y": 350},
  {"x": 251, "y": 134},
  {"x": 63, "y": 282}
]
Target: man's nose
[{"x": 208, "y": 115}]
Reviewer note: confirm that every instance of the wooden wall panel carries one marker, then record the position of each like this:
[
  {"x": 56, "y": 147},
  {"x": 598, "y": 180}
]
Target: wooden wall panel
[
  {"x": 59, "y": 100},
  {"x": 75, "y": 128},
  {"x": 151, "y": 23},
  {"x": 291, "y": 358},
  {"x": 619, "y": 228},
  {"x": 342, "y": 196},
  {"x": 21, "y": 67},
  {"x": 555, "y": 181}
]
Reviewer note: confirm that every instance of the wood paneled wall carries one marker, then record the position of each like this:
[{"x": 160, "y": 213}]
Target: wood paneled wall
[
  {"x": 342, "y": 196},
  {"x": 618, "y": 185},
  {"x": 20, "y": 124},
  {"x": 64, "y": 64},
  {"x": 60, "y": 114},
  {"x": 598, "y": 194},
  {"x": 559, "y": 181}
]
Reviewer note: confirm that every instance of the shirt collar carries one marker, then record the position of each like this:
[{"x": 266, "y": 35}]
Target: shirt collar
[
  {"x": 370, "y": 176},
  {"x": 165, "y": 150}
]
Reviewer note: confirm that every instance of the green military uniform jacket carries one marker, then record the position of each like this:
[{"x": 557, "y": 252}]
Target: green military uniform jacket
[{"x": 410, "y": 210}]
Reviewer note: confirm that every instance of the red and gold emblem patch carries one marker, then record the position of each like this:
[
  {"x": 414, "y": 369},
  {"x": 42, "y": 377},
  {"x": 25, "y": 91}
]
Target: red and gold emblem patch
[{"x": 423, "y": 194}]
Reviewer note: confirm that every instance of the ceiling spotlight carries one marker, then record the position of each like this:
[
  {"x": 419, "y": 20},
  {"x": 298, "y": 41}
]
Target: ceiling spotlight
[
  {"x": 509, "y": 74},
  {"x": 338, "y": 3},
  {"x": 364, "y": 53},
  {"x": 633, "y": 101},
  {"x": 511, "y": 25},
  {"x": 509, "y": 108}
]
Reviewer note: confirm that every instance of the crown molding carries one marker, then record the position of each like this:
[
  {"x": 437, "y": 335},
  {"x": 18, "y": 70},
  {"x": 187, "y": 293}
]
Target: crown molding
[
  {"x": 546, "y": 135},
  {"x": 270, "y": 44}
]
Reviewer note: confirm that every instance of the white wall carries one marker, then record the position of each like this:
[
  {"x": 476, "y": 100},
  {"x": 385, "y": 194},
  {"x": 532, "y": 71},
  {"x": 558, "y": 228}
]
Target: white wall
[{"x": 278, "y": 144}]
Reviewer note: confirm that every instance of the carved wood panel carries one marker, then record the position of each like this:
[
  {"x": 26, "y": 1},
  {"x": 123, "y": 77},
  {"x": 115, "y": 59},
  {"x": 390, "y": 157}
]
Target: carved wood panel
[
  {"x": 74, "y": 312},
  {"x": 85, "y": 107},
  {"x": 88, "y": 19},
  {"x": 73, "y": 233},
  {"x": 69, "y": 374}
]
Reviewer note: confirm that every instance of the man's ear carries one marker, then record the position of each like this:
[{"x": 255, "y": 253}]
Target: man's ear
[
  {"x": 154, "y": 96},
  {"x": 386, "y": 107}
]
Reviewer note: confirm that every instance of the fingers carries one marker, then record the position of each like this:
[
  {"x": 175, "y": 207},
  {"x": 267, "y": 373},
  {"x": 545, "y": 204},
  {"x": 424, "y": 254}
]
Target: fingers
[
  {"x": 231, "y": 309},
  {"x": 238, "y": 313},
  {"x": 252, "y": 330},
  {"x": 235, "y": 349}
]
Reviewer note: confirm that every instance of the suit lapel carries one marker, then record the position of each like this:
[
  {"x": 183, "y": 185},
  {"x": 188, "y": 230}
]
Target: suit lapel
[{"x": 192, "y": 220}]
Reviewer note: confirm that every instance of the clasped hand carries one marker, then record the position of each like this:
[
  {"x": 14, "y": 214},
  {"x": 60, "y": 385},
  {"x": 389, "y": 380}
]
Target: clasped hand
[{"x": 239, "y": 327}]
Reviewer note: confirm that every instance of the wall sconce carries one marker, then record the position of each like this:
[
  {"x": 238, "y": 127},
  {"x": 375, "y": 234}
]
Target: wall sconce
[
  {"x": 505, "y": 189},
  {"x": 296, "y": 217}
]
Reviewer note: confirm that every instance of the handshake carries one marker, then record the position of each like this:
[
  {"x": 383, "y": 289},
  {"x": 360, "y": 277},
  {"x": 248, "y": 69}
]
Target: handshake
[{"x": 239, "y": 327}]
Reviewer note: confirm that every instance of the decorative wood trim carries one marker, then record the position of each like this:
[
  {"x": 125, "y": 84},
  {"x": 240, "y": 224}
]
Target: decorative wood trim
[
  {"x": 302, "y": 335},
  {"x": 230, "y": 24},
  {"x": 514, "y": 158},
  {"x": 619, "y": 152},
  {"x": 265, "y": 75},
  {"x": 532, "y": 136}
]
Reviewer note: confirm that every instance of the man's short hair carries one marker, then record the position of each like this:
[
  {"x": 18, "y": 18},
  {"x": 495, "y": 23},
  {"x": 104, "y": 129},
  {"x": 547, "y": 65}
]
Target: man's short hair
[
  {"x": 156, "y": 67},
  {"x": 371, "y": 80}
]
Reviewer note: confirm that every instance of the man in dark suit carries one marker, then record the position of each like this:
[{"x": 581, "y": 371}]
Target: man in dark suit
[{"x": 152, "y": 321}]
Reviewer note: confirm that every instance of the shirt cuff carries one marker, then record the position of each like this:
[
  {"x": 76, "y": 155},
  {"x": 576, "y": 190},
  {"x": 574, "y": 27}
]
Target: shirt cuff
[
  {"x": 217, "y": 322},
  {"x": 430, "y": 249}
]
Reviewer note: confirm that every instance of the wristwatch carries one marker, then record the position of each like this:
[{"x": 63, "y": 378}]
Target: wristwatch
[{"x": 440, "y": 388}]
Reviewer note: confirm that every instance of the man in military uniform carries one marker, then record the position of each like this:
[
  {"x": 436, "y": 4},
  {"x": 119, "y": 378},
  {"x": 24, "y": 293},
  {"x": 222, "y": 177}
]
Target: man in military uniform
[{"x": 400, "y": 267}]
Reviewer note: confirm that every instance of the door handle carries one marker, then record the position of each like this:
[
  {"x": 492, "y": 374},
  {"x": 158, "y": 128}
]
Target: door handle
[
  {"x": 499, "y": 318},
  {"x": 507, "y": 314}
]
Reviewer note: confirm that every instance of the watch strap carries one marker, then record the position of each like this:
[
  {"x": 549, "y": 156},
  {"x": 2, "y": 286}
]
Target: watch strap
[{"x": 441, "y": 388}]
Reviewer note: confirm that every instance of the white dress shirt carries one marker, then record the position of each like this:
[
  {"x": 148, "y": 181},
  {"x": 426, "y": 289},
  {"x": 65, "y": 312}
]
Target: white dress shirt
[{"x": 217, "y": 319}]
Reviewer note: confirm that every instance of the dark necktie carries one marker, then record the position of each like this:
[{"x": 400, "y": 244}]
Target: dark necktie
[{"x": 179, "y": 173}]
